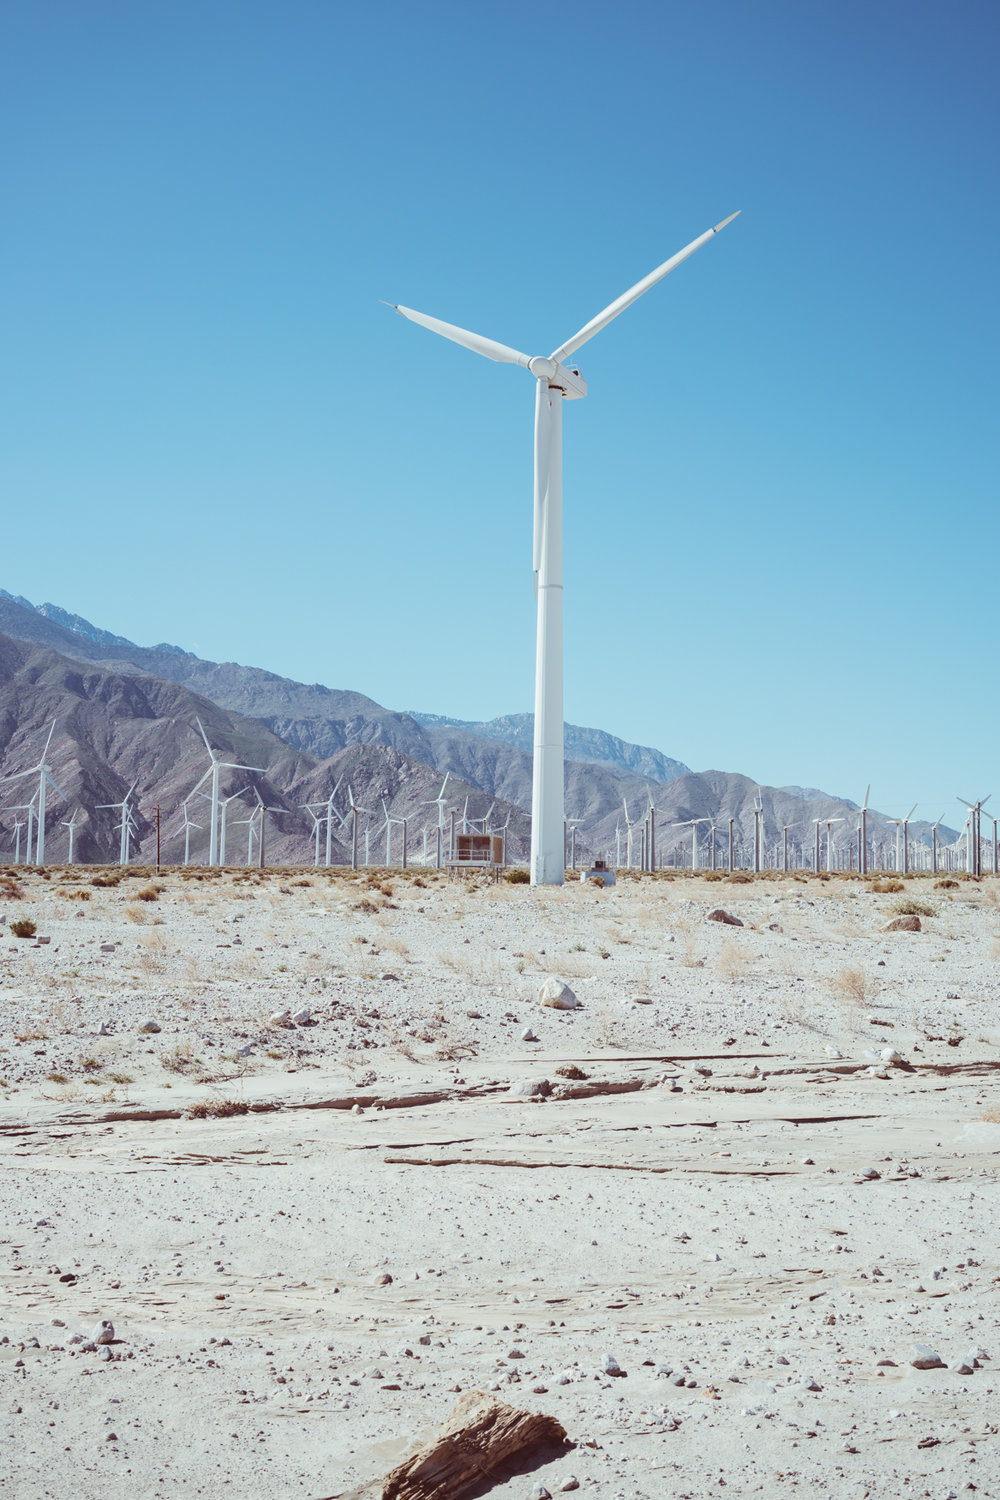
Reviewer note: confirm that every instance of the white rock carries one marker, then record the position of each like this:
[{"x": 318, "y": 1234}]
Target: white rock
[
  {"x": 890, "y": 1055},
  {"x": 832, "y": 1052},
  {"x": 611, "y": 1366},
  {"x": 152, "y": 1027},
  {"x": 104, "y": 1333},
  {"x": 105, "y": 1354},
  {"x": 302, "y": 1017},
  {"x": 923, "y": 1358},
  {"x": 527, "y": 1035},
  {"x": 280, "y": 1017},
  {"x": 963, "y": 1367},
  {"x": 356, "y": 1109},
  {"x": 557, "y": 996}
]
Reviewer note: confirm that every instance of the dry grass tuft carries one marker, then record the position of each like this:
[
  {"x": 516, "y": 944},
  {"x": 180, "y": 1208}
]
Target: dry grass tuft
[
  {"x": 886, "y": 887},
  {"x": 218, "y": 1109},
  {"x": 853, "y": 984},
  {"x": 911, "y": 908},
  {"x": 731, "y": 961}
]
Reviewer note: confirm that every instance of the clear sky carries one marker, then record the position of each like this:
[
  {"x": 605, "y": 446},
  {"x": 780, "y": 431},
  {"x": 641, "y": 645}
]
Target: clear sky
[{"x": 781, "y": 490}]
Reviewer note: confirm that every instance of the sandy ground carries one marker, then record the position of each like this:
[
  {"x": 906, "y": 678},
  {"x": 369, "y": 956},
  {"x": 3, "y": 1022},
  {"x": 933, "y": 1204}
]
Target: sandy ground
[{"x": 730, "y": 1204}]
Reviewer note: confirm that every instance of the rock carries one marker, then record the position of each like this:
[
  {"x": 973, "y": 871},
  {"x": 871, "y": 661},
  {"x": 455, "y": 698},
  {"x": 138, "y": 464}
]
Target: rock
[
  {"x": 570, "y": 1070},
  {"x": 569, "y": 1483},
  {"x": 515, "y": 1354},
  {"x": 383, "y": 1279},
  {"x": 718, "y": 915},
  {"x": 105, "y": 1353},
  {"x": 557, "y": 996},
  {"x": 302, "y": 1017},
  {"x": 475, "y": 1445},
  {"x": 539, "y": 1088},
  {"x": 963, "y": 1367},
  {"x": 611, "y": 1366},
  {"x": 527, "y": 1035},
  {"x": 870, "y": 1174},
  {"x": 104, "y": 1333},
  {"x": 890, "y": 1055},
  {"x": 280, "y": 1017},
  {"x": 474, "y": 1015},
  {"x": 923, "y": 1358},
  {"x": 813, "y": 1385},
  {"x": 150, "y": 1027},
  {"x": 642, "y": 999},
  {"x": 104, "y": 1029},
  {"x": 903, "y": 924},
  {"x": 832, "y": 1052},
  {"x": 357, "y": 1109},
  {"x": 539, "y": 1492}
]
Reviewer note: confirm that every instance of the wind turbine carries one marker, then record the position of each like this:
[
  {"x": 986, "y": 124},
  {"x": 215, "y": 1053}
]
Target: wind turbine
[
  {"x": 223, "y": 810},
  {"x": 863, "y": 835},
  {"x": 186, "y": 830},
  {"x": 556, "y": 382},
  {"x": 934, "y": 846},
  {"x": 214, "y": 771},
  {"x": 692, "y": 823},
  {"x": 829, "y": 839},
  {"x": 974, "y": 852},
  {"x": 352, "y": 812},
  {"x": 127, "y": 826},
  {"x": 44, "y": 776},
  {"x": 18, "y": 825},
  {"x": 70, "y": 824}
]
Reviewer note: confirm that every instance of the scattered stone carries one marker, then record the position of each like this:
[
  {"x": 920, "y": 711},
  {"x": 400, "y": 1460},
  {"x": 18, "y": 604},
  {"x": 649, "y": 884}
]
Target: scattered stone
[
  {"x": 357, "y": 1109},
  {"x": 833, "y": 1052},
  {"x": 923, "y": 1358},
  {"x": 570, "y": 1483},
  {"x": 476, "y": 1444},
  {"x": 302, "y": 1017},
  {"x": 718, "y": 915},
  {"x": 570, "y": 1070},
  {"x": 104, "y": 1333},
  {"x": 474, "y": 1015},
  {"x": 105, "y": 1353},
  {"x": 557, "y": 995},
  {"x": 539, "y": 1088},
  {"x": 903, "y": 924},
  {"x": 539, "y": 1492},
  {"x": 611, "y": 1366},
  {"x": 963, "y": 1367},
  {"x": 150, "y": 1027},
  {"x": 280, "y": 1017},
  {"x": 813, "y": 1385},
  {"x": 642, "y": 999},
  {"x": 527, "y": 1035},
  {"x": 104, "y": 1029},
  {"x": 383, "y": 1279},
  {"x": 890, "y": 1055},
  {"x": 870, "y": 1174},
  {"x": 515, "y": 1354}
]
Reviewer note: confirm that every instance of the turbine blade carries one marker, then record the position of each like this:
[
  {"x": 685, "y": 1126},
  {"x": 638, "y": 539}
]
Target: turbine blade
[
  {"x": 634, "y": 293},
  {"x": 201, "y": 730},
  {"x": 502, "y": 353}
]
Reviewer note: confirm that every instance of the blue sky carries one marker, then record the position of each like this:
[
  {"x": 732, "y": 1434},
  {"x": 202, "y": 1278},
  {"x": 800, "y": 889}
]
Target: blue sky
[{"x": 780, "y": 492}]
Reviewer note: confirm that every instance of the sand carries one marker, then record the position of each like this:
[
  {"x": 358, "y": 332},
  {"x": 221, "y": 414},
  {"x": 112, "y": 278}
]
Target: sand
[{"x": 728, "y": 1199}]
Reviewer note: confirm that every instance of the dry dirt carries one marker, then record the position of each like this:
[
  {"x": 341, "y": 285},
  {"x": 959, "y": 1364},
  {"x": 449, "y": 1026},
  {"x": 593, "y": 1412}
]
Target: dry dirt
[{"x": 730, "y": 1203}]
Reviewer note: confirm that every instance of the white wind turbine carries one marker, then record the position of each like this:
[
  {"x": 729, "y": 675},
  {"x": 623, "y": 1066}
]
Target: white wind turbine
[
  {"x": 556, "y": 382},
  {"x": 70, "y": 823},
  {"x": 214, "y": 771},
  {"x": 186, "y": 830},
  {"x": 44, "y": 776},
  {"x": 126, "y": 827},
  {"x": 352, "y": 813},
  {"x": 903, "y": 840},
  {"x": 18, "y": 825}
]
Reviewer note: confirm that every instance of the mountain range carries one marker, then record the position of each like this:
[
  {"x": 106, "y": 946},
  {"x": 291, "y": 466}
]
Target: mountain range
[{"x": 124, "y": 711}]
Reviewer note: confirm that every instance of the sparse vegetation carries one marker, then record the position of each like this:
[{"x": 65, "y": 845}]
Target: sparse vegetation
[
  {"x": 517, "y": 877},
  {"x": 218, "y": 1109},
  {"x": 148, "y": 893},
  {"x": 911, "y": 908},
  {"x": 886, "y": 887},
  {"x": 24, "y": 927}
]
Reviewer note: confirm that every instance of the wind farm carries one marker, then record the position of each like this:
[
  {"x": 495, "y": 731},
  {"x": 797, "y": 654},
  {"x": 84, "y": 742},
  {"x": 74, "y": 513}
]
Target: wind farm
[{"x": 471, "y": 1028}]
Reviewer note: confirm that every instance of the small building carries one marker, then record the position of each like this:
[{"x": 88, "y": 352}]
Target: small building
[
  {"x": 477, "y": 851},
  {"x": 600, "y": 871}
]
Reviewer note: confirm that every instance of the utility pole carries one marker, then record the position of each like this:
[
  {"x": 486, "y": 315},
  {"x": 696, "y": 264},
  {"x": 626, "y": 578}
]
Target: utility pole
[{"x": 156, "y": 813}]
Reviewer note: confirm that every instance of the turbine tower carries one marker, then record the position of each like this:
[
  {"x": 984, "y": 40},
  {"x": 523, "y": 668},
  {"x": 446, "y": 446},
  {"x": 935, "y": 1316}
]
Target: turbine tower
[
  {"x": 214, "y": 772},
  {"x": 556, "y": 382}
]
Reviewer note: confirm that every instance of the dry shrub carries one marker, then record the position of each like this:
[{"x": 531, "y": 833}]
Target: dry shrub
[
  {"x": 74, "y": 895},
  {"x": 731, "y": 961},
  {"x": 106, "y": 882},
  {"x": 853, "y": 984},
  {"x": 365, "y": 906},
  {"x": 24, "y": 927},
  {"x": 886, "y": 887},
  {"x": 991, "y": 1115},
  {"x": 136, "y": 914},
  {"x": 180, "y": 1059},
  {"x": 911, "y": 908},
  {"x": 218, "y": 1109},
  {"x": 714, "y": 875},
  {"x": 946, "y": 885},
  {"x": 517, "y": 877},
  {"x": 739, "y": 877},
  {"x": 10, "y": 890},
  {"x": 148, "y": 893}
]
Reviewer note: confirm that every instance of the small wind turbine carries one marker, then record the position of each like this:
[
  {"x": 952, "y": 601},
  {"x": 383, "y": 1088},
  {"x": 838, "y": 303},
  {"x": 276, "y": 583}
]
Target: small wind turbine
[
  {"x": 903, "y": 839},
  {"x": 18, "y": 825},
  {"x": 186, "y": 830},
  {"x": 70, "y": 824},
  {"x": 829, "y": 839},
  {"x": 44, "y": 776},
  {"x": 352, "y": 813},
  {"x": 863, "y": 835},
  {"x": 214, "y": 771},
  {"x": 126, "y": 827},
  {"x": 556, "y": 382},
  {"x": 934, "y": 846},
  {"x": 974, "y": 852},
  {"x": 692, "y": 823}
]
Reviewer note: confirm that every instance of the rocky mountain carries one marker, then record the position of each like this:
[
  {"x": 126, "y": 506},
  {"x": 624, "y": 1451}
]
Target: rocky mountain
[
  {"x": 592, "y": 745},
  {"x": 113, "y": 729},
  {"x": 304, "y": 735}
]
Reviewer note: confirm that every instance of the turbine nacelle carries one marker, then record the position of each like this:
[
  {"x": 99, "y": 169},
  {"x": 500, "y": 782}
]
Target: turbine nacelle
[{"x": 570, "y": 382}]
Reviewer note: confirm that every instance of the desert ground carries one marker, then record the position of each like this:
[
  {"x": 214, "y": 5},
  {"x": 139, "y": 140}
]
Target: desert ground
[{"x": 705, "y": 1219}]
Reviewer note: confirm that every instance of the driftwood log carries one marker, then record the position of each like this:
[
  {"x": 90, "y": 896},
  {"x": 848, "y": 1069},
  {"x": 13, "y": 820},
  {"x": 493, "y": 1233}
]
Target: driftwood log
[{"x": 475, "y": 1445}]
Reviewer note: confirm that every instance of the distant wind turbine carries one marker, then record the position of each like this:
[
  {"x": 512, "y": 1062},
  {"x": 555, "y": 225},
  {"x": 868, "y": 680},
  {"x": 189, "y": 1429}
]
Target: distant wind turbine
[
  {"x": 556, "y": 382},
  {"x": 214, "y": 771},
  {"x": 44, "y": 777}
]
